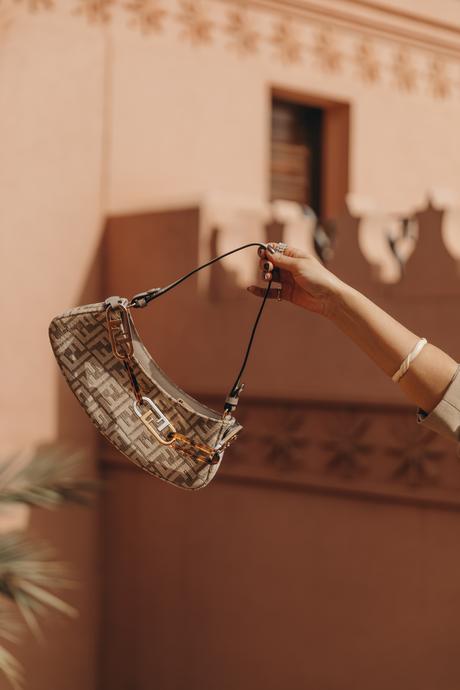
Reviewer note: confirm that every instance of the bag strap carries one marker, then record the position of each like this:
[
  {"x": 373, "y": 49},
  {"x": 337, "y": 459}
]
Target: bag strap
[{"x": 142, "y": 299}]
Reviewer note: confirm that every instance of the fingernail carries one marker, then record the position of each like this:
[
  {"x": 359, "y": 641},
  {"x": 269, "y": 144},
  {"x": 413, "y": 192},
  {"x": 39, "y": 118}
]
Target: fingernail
[
  {"x": 268, "y": 266},
  {"x": 271, "y": 249},
  {"x": 261, "y": 252},
  {"x": 267, "y": 276}
]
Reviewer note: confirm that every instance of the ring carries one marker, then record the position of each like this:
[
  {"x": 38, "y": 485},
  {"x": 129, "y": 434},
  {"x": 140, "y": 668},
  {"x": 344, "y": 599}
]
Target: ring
[
  {"x": 281, "y": 247},
  {"x": 278, "y": 294}
]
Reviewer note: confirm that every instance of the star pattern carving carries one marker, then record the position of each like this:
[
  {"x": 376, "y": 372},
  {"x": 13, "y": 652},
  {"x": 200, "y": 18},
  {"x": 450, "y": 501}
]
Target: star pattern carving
[
  {"x": 37, "y": 5},
  {"x": 147, "y": 15},
  {"x": 327, "y": 54},
  {"x": 354, "y": 449},
  {"x": 418, "y": 463},
  {"x": 367, "y": 63},
  {"x": 438, "y": 79},
  {"x": 96, "y": 11},
  {"x": 197, "y": 28},
  {"x": 348, "y": 449},
  {"x": 404, "y": 71},
  {"x": 285, "y": 448},
  {"x": 243, "y": 37},
  {"x": 284, "y": 38}
]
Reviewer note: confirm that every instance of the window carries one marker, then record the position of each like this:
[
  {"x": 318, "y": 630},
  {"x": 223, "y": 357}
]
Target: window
[
  {"x": 296, "y": 145},
  {"x": 309, "y": 151}
]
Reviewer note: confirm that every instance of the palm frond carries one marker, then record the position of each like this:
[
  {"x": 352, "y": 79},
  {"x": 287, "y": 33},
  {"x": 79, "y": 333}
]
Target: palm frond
[
  {"x": 10, "y": 630},
  {"x": 45, "y": 478},
  {"x": 10, "y": 626},
  {"x": 11, "y": 668},
  {"x": 27, "y": 572}
]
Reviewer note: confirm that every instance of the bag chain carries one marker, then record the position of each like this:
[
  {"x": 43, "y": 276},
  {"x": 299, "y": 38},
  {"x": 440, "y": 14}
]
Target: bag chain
[{"x": 119, "y": 329}]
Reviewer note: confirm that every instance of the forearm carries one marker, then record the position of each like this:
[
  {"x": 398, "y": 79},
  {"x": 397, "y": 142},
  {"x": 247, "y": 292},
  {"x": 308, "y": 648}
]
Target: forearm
[{"x": 387, "y": 342}]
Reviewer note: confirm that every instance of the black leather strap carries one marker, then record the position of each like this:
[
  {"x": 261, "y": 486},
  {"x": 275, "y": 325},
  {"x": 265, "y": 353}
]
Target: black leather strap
[{"x": 143, "y": 298}]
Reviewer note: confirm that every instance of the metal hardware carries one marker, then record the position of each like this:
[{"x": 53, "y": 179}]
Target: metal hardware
[
  {"x": 120, "y": 334},
  {"x": 223, "y": 446},
  {"x": 143, "y": 298},
  {"x": 198, "y": 451},
  {"x": 155, "y": 421}
]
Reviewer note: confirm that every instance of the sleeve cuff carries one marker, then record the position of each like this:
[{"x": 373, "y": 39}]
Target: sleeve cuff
[{"x": 444, "y": 419}]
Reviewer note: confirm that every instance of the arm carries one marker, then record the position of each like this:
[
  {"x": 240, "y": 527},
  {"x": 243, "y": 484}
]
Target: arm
[
  {"x": 308, "y": 284},
  {"x": 387, "y": 342}
]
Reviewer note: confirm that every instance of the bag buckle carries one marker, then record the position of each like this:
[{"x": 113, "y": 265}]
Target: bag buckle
[
  {"x": 119, "y": 329},
  {"x": 155, "y": 421}
]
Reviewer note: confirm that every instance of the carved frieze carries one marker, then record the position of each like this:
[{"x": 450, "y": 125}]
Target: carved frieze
[
  {"x": 318, "y": 36},
  {"x": 376, "y": 452},
  {"x": 359, "y": 449}
]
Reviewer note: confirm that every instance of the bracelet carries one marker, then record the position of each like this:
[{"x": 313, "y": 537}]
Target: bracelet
[{"x": 409, "y": 359}]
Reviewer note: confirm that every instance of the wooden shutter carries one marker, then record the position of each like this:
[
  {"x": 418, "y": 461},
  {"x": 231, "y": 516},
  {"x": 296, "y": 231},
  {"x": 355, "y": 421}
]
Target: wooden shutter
[{"x": 295, "y": 153}]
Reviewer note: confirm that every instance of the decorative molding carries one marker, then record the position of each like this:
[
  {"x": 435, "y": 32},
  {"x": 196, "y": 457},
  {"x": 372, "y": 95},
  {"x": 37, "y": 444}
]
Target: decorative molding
[
  {"x": 418, "y": 462},
  {"x": 37, "y": 5},
  {"x": 372, "y": 451},
  {"x": 425, "y": 56},
  {"x": 96, "y": 11},
  {"x": 244, "y": 38},
  {"x": 196, "y": 26},
  {"x": 327, "y": 53},
  {"x": 367, "y": 63},
  {"x": 356, "y": 24},
  {"x": 404, "y": 71},
  {"x": 147, "y": 15},
  {"x": 348, "y": 449},
  {"x": 438, "y": 77},
  {"x": 393, "y": 11},
  {"x": 287, "y": 45}
]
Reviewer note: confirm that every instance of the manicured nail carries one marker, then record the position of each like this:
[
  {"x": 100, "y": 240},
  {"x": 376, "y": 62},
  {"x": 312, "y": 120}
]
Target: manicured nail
[
  {"x": 261, "y": 252},
  {"x": 268, "y": 266},
  {"x": 267, "y": 276},
  {"x": 271, "y": 249}
]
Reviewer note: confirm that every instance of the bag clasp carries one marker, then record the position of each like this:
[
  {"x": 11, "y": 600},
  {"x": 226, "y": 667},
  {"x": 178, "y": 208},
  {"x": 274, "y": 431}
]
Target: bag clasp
[{"x": 155, "y": 421}]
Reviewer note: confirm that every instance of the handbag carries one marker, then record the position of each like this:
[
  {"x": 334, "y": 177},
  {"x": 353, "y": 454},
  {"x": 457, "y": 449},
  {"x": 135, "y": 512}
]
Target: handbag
[{"x": 132, "y": 402}]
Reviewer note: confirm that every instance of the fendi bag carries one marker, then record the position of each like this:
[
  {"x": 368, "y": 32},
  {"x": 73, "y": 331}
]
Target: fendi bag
[{"x": 132, "y": 402}]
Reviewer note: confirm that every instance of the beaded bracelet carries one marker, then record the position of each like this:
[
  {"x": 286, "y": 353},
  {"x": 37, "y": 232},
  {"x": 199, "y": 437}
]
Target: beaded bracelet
[{"x": 409, "y": 359}]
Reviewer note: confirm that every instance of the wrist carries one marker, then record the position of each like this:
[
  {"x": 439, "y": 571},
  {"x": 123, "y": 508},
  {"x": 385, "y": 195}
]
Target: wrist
[{"x": 336, "y": 298}]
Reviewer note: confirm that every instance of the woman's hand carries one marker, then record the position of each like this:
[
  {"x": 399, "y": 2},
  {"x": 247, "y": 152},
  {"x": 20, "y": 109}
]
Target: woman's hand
[{"x": 304, "y": 280}]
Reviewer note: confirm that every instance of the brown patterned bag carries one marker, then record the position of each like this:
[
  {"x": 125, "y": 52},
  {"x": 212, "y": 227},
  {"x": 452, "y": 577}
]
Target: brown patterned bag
[{"x": 132, "y": 402}]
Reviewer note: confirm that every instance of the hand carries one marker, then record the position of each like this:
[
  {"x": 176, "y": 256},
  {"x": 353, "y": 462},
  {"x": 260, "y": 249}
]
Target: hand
[{"x": 304, "y": 280}]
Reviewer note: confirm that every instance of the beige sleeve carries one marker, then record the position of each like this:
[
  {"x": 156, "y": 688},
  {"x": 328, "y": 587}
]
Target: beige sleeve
[{"x": 445, "y": 417}]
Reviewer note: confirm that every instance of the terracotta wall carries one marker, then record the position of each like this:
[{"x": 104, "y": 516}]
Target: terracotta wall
[
  {"x": 324, "y": 554},
  {"x": 99, "y": 118}
]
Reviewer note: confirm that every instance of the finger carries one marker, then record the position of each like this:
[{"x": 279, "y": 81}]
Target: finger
[
  {"x": 287, "y": 258},
  {"x": 260, "y": 292},
  {"x": 266, "y": 266}
]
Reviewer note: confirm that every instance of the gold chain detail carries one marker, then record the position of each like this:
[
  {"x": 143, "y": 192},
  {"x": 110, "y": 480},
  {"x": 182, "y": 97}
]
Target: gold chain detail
[{"x": 119, "y": 329}]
